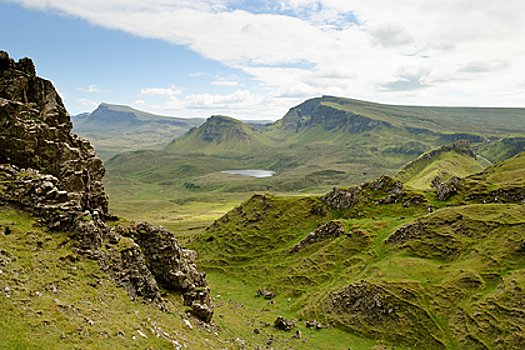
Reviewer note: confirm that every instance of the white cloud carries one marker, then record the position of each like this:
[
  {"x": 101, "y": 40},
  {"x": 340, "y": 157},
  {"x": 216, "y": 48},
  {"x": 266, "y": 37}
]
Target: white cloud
[
  {"x": 84, "y": 102},
  {"x": 408, "y": 80},
  {"x": 485, "y": 66},
  {"x": 211, "y": 101},
  {"x": 238, "y": 102},
  {"x": 196, "y": 74},
  {"x": 226, "y": 81},
  {"x": 91, "y": 88},
  {"x": 139, "y": 103},
  {"x": 172, "y": 91},
  {"x": 321, "y": 48}
]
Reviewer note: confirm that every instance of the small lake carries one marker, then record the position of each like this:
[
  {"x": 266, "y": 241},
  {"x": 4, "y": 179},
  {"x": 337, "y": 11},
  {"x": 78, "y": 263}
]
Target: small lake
[{"x": 250, "y": 172}]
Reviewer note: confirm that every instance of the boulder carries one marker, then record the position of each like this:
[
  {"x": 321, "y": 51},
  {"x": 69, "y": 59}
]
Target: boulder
[
  {"x": 323, "y": 232},
  {"x": 284, "y": 324}
]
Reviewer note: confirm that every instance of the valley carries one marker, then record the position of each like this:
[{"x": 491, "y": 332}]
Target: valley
[{"x": 382, "y": 227}]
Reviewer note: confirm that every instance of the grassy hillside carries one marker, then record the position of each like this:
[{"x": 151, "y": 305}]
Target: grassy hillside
[
  {"x": 220, "y": 135},
  {"x": 409, "y": 270},
  {"x": 53, "y": 298},
  {"x": 498, "y": 150},
  {"x": 510, "y": 173},
  {"x": 418, "y": 119},
  {"x": 448, "y": 160}
]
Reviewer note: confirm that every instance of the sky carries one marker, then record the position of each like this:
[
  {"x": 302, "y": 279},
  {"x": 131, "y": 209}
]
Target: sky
[{"x": 257, "y": 59}]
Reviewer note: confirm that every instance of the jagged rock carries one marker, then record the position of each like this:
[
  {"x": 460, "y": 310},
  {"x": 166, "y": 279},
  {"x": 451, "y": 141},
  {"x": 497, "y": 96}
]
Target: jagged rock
[
  {"x": 342, "y": 199},
  {"x": 284, "y": 324},
  {"x": 166, "y": 260},
  {"x": 267, "y": 294},
  {"x": 446, "y": 189},
  {"x": 35, "y": 134},
  {"x": 408, "y": 232},
  {"x": 128, "y": 270},
  {"x": 323, "y": 232}
]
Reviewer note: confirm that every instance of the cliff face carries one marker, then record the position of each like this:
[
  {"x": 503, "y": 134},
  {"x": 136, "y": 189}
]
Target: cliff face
[
  {"x": 35, "y": 133},
  {"x": 56, "y": 176}
]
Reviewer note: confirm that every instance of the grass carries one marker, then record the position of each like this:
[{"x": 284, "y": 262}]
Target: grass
[
  {"x": 58, "y": 299},
  {"x": 450, "y": 286},
  {"x": 437, "y": 283},
  {"x": 420, "y": 172}
]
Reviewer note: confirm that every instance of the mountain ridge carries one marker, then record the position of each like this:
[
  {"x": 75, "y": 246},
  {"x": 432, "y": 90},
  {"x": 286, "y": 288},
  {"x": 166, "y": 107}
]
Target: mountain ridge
[{"x": 455, "y": 159}]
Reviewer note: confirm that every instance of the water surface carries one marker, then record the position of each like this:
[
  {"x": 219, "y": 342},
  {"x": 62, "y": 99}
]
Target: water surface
[{"x": 250, "y": 172}]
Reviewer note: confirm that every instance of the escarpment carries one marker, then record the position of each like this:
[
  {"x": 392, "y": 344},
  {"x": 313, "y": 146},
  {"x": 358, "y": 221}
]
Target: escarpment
[{"x": 56, "y": 176}]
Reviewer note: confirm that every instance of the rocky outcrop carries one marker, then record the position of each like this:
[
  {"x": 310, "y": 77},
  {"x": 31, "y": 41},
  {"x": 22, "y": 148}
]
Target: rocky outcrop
[
  {"x": 446, "y": 189},
  {"x": 342, "y": 199},
  {"x": 406, "y": 233},
  {"x": 40, "y": 195},
  {"x": 56, "y": 176},
  {"x": 323, "y": 232},
  {"x": 35, "y": 133},
  {"x": 389, "y": 310},
  {"x": 128, "y": 270},
  {"x": 174, "y": 267}
]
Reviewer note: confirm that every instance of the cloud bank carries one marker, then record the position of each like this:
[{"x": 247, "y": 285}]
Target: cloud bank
[{"x": 455, "y": 52}]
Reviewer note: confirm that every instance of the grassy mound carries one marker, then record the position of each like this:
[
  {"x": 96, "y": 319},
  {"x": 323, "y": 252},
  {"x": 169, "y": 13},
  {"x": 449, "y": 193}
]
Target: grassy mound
[
  {"x": 448, "y": 160},
  {"x": 410, "y": 270}
]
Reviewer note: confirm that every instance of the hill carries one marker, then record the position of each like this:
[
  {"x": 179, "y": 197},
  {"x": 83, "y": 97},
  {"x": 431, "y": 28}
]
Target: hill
[
  {"x": 114, "y": 129},
  {"x": 354, "y": 116},
  {"x": 456, "y": 159},
  {"x": 370, "y": 266},
  {"x": 219, "y": 135},
  {"x": 322, "y": 142},
  {"x": 387, "y": 262}
]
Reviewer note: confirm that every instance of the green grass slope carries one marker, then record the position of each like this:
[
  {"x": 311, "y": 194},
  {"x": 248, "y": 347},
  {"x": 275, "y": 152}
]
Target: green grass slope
[
  {"x": 409, "y": 270},
  {"x": 502, "y": 149},
  {"x": 456, "y": 159},
  {"x": 452, "y": 123},
  {"x": 219, "y": 135},
  {"x": 53, "y": 298},
  {"x": 508, "y": 172}
]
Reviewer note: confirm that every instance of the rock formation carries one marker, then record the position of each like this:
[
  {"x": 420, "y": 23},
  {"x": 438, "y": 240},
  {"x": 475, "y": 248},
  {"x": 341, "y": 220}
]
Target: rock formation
[
  {"x": 446, "y": 189},
  {"x": 284, "y": 324},
  {"x": 57, "y": 177},
  {"x": 323, "y": 232},
  {"x": 393, "y": 190},
  {"x": 35, "y": 134}
]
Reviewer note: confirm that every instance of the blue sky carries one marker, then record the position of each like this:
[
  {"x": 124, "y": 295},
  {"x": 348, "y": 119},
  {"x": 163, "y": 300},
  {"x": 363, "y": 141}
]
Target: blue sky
[{"x": 256, "y": 59}]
